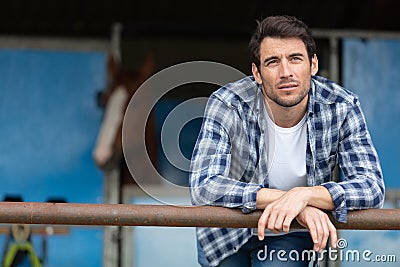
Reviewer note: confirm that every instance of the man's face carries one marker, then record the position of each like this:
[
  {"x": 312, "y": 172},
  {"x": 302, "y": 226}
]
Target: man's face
[{"x": 285, "y": 70}]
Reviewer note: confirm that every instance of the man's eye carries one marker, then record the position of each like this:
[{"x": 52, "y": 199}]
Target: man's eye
[
  {"x": 296, "y": 59},
  {"x": 271, "y": 62}
]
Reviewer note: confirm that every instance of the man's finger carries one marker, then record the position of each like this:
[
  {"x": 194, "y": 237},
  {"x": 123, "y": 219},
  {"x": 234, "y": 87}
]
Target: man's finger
[
  {"x": 261, "y": 224},
  {"x": 272, "y": 219},
  {"x": 319, "y": 234},
  {"x": 278, "y": 226},
  {"x": 333, "y": 235},
  {"x": 325, "y": 234},
  {"x": 313, "y": 233},
  {"x": 286, "y": 223}
]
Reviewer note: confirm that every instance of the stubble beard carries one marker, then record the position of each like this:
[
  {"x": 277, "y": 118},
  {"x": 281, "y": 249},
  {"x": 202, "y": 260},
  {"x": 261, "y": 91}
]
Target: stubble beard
[{"x": 288, "y": 102}]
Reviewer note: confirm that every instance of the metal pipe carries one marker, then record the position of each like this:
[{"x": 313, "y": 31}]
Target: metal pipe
[{"x": 164, "y": 215}]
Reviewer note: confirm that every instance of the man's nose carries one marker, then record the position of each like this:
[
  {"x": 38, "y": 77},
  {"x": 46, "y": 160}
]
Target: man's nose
[{"x": 285, "y": 69}]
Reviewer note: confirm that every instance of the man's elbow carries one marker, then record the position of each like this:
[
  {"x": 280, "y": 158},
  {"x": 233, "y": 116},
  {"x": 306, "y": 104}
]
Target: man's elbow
[{"x": 379, "y": 194}]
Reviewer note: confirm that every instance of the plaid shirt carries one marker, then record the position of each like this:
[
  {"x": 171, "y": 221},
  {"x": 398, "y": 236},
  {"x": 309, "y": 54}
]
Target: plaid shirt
[{"x": 229, "y": 162}]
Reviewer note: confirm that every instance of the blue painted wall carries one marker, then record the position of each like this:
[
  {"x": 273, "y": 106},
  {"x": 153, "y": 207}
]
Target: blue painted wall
[
  {"x": 169, "y": 246},
  {"x": 49, "y": 123},
  {"x": 371, "y": 68},
  {"x": 187, "y": 139},
  {"x": 164, "y": 246}
]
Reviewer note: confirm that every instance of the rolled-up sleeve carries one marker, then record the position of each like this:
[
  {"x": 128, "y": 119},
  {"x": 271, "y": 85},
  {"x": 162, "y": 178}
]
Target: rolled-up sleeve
[
  {"x": 213, "y": 180},
  {"x": 362, "y": 186}
]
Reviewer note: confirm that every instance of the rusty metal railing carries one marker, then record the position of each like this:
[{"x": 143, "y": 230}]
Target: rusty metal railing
[{"x": 164, "y": 215}]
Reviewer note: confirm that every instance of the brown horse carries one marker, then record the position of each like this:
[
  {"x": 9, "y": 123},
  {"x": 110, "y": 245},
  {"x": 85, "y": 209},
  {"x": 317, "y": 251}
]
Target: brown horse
[{"x": 122, "y": 86}]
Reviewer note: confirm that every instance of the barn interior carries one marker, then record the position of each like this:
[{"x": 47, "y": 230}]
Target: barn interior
[{"x": 55, "y": 66}]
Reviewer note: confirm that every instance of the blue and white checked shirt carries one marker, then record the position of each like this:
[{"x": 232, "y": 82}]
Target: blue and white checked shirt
[{"x": 229, "y": 162}]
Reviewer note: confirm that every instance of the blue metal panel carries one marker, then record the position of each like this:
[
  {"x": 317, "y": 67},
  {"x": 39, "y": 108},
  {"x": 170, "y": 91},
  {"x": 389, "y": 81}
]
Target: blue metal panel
[
  {"x": 187, "y": 138},
  {"x": 164, "y": 246},
  {"x": 49, "y": 123},
  {"x": 371, "y": 68}
]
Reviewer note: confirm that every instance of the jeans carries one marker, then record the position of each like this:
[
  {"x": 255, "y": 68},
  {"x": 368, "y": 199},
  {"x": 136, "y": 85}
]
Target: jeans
[{"x": 273, "y": 251}]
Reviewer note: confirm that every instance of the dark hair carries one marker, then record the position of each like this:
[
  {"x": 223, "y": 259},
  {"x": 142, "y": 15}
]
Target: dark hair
[{"x": 280, "y": 27}]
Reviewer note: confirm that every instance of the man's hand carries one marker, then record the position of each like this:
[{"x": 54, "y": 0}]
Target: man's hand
[
  {"x": 319, "y": 225},
  {"x": 281, "y": 208},
  {"x": 279, "y": 214}
]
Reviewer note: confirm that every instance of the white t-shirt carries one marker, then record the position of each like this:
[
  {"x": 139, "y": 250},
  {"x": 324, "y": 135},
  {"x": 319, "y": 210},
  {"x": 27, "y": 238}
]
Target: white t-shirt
[
  {"x": 287, "y": 155},
  {"x": 286, "y": 148}
]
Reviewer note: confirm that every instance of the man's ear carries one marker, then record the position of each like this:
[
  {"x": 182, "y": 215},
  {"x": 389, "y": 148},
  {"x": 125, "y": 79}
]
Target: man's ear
[
  {"x": 314, "y": 65},
  {"x": 256, "y": 73}
]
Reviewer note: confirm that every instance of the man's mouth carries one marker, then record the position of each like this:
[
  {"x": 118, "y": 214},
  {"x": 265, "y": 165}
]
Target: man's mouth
[{"x": 287, "y": 86}]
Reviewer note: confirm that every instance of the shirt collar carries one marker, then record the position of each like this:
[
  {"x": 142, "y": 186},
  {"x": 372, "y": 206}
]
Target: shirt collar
[{"x": 311, "y": 98}]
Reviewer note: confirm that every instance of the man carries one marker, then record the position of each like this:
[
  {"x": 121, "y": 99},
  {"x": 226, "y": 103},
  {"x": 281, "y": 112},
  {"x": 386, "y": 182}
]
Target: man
[{"x": 271, "y": 141}]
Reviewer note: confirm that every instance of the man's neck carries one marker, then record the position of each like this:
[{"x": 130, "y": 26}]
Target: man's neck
[{"x": 287, "y": 117}]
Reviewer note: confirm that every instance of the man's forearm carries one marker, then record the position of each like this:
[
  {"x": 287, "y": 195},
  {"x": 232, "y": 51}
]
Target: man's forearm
[
  {"x": 266, "y": 195},
  {"x": 319, "y": 197},
  {"x": 316, "y": 196}
]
